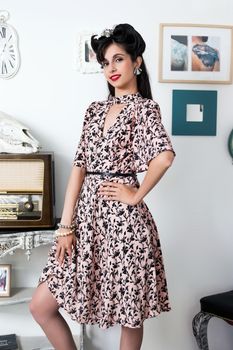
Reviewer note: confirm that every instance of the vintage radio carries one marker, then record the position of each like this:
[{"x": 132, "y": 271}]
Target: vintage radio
[{"x": 27, "y": 196}]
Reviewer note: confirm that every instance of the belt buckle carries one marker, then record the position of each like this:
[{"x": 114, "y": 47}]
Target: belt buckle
[{"x": 103, "y": 174}]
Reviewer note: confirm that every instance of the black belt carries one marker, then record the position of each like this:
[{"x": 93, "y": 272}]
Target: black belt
[{"x": 111, "y": 174}]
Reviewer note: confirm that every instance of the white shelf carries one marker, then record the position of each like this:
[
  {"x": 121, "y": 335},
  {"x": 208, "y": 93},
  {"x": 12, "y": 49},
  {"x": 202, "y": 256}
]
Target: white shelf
[
  {"x": 18, "y": 296},
  {"x": 39, "y": 343},
  {"x": 26, "y": 241},
  {"x": 31, "y": 343}
]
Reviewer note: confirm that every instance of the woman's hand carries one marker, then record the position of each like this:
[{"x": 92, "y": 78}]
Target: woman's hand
[
  {"x": 119, "y": 192},
  {"x": 64, "y": 246}
]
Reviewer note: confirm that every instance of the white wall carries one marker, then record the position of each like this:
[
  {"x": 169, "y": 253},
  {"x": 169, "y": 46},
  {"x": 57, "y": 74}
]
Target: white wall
[{"x": 193, "y": 203}]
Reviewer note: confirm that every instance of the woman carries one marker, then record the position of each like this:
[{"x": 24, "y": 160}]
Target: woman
[{"x": 108, "y": 268}]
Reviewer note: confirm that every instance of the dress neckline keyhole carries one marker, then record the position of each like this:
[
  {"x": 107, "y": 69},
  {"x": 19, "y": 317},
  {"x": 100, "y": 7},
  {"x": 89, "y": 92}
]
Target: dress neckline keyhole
[{"x": 104, "y": 131}]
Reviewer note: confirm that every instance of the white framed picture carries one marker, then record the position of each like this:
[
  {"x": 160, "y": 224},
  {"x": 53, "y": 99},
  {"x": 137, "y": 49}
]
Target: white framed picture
[
  {"x": 85, "y": 58},
  {"x": 195, "y": 53}
]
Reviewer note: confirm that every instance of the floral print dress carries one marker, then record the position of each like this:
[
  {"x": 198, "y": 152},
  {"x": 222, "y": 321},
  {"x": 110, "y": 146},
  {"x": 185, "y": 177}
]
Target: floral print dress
[{"x": 117, "y": 273}]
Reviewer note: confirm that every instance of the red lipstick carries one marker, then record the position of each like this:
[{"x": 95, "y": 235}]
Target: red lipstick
[{"x": 115, "y": 77}]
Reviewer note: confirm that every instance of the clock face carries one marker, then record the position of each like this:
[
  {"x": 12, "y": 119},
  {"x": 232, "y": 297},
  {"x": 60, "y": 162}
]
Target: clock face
[{"x": 9, "y": 52}]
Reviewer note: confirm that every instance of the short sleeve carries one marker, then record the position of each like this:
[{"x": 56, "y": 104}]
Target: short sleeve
[
  {"x": 150, "y": 136},
  {"x": 80, "y": 155}
]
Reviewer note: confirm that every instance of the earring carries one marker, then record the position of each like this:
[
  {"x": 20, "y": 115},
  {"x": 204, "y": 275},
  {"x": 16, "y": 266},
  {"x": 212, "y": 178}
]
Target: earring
[{"x": 137, "y": 71}]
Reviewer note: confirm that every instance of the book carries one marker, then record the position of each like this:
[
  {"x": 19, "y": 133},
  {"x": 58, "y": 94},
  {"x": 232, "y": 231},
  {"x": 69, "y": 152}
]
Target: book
[{"x": 8, "y": 342}]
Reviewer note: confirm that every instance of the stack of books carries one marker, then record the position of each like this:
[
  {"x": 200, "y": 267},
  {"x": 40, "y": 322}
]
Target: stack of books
[{"x": 8, "y": 342}]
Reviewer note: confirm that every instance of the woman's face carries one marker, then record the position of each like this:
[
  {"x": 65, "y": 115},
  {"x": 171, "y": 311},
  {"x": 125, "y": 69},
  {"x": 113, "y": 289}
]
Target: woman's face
[{"x": 119, "y": 69}]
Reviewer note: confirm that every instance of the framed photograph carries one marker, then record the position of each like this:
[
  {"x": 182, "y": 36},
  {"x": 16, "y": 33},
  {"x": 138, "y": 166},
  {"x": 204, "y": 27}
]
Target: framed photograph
[
  {"x": 195, "y": 53},
  {"x": 5, "y": 280},
  {"x": 85, "y": 57}
]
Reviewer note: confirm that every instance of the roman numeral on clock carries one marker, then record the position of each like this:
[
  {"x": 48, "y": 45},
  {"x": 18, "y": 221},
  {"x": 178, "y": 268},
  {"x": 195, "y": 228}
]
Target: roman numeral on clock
[
  {"x": 3, "y": 32},
  {"x": 11, "y": 64},
  {"x": 4, "y": 67}
]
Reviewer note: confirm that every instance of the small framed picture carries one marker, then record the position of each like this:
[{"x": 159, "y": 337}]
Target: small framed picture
[
  {"x": 5, "y": 280},
  {"x": 195, "y": 53},
  {"x": 85, "y": 57}
]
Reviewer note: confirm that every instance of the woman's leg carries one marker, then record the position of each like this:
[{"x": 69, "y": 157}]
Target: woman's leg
[
  {"x": 131, "y": 338},
  {"x": 44, "y": 309}
]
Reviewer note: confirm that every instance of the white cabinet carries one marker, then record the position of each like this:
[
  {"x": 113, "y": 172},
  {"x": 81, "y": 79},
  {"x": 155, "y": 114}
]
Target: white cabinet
[{"x": 27, "y": 241}]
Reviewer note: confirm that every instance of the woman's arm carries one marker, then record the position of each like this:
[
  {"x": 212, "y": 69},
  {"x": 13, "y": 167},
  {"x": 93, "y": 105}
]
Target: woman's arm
[
  {"x": 75, "y": 182},
  {"x": 64, "y": 244},
  {"x": 72, "y": 191},
  {"x": 130, "y": 194},
  {"x": 157, "y": 168}
]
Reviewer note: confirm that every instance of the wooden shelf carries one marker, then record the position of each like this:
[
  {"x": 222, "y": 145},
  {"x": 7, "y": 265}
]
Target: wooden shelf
[{"x": 18, "y": 296}]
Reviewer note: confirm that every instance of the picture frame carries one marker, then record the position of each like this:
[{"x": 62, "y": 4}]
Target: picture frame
[
  {"x": 5, "y": 280},
  {"x": 195, "y": 53},
  {"x": 85, "y": 58},
  {"x": 203, "y": 120}
]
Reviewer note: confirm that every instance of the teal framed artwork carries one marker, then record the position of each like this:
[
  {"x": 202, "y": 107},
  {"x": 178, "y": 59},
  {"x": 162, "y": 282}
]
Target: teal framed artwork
[{"x": 194, "y": 112}]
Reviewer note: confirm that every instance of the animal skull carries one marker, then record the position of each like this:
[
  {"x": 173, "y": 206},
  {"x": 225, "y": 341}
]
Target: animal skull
[{"x": 15, "y": 137}]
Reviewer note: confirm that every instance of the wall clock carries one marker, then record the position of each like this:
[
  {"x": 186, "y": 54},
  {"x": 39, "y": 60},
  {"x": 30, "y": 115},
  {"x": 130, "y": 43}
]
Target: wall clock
[{"x": 9, "y": 50}]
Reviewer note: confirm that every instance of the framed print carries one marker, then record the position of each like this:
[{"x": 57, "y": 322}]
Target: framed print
[
  {"x": 195, "y": 53},
  {"x": 194, "y": 112},
  {"x": 85, "y": 57},
  {"x": 5, "y": 280}
]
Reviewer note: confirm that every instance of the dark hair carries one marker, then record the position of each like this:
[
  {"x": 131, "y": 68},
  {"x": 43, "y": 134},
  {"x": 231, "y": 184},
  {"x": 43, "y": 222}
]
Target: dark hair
[{"x": 133, "y": 43}]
